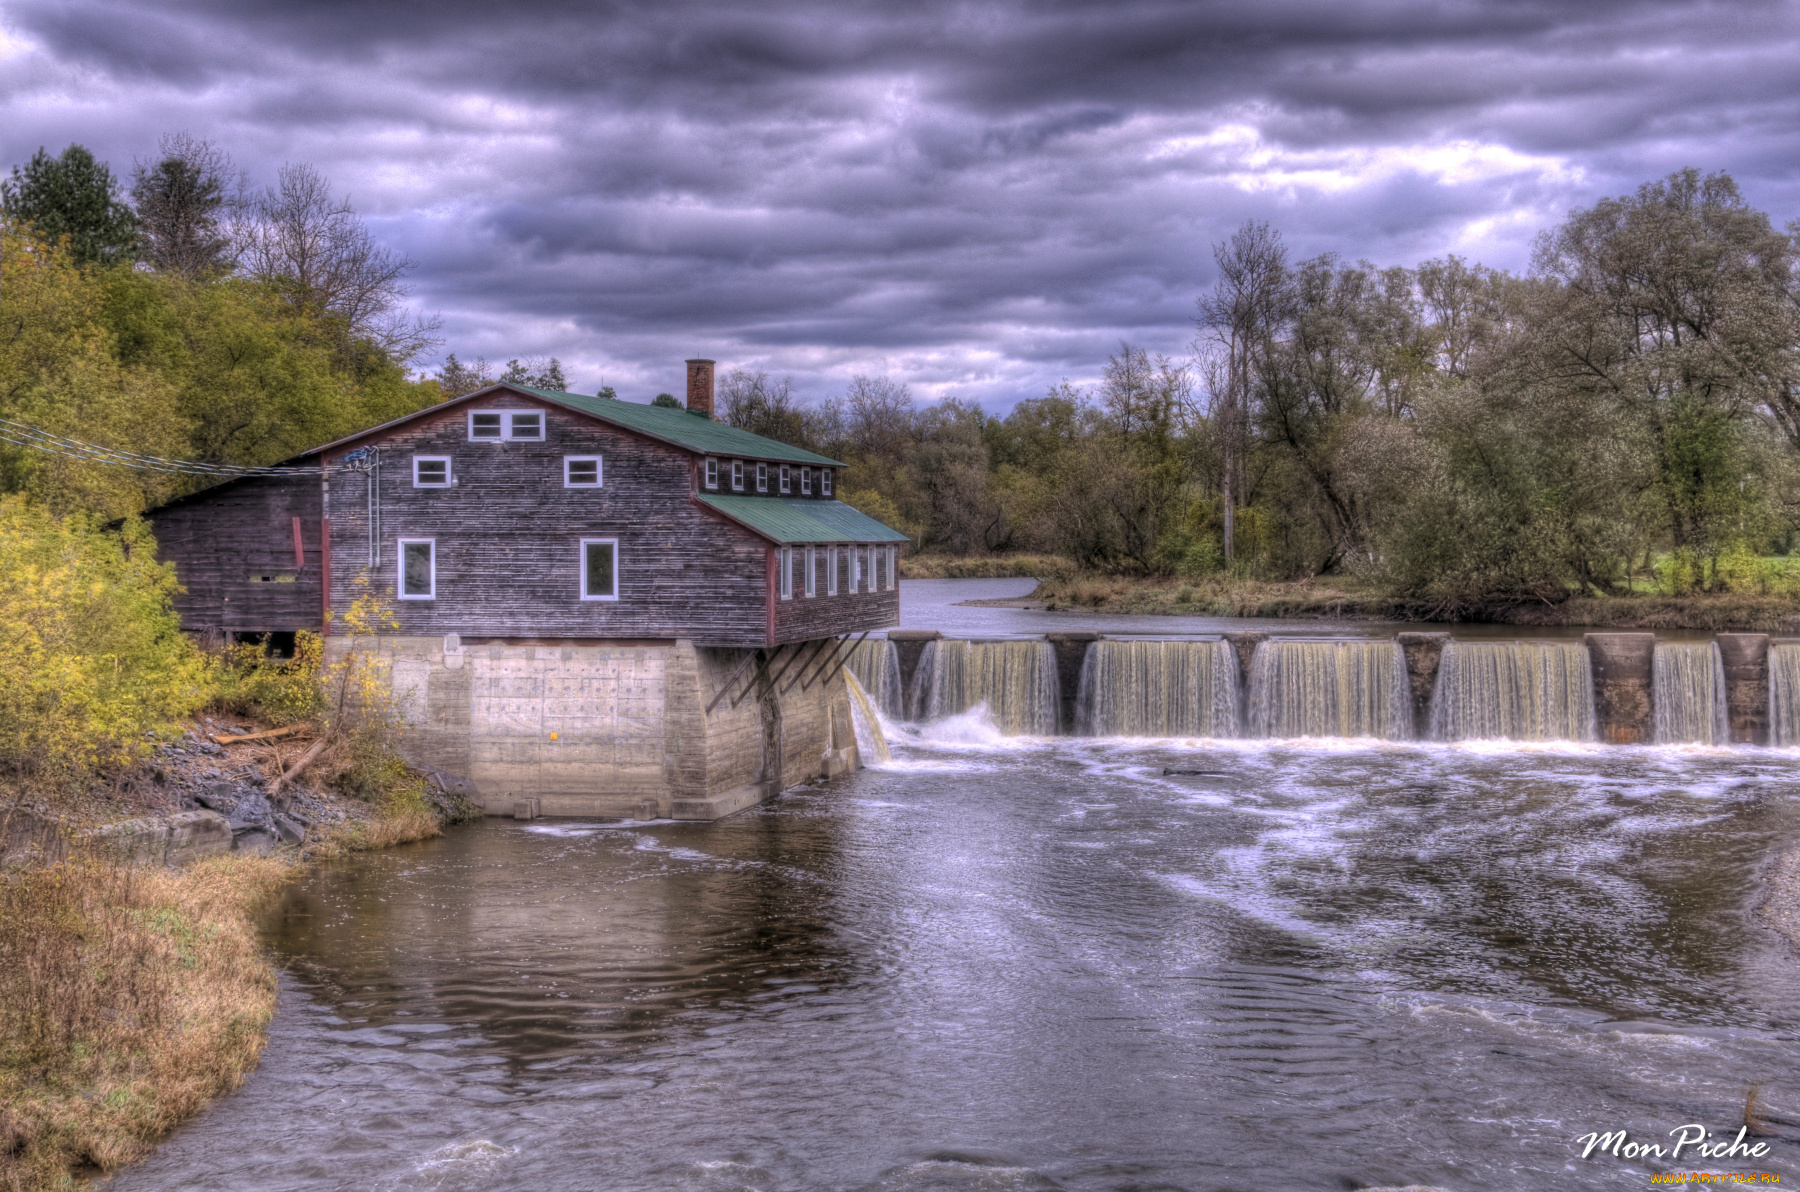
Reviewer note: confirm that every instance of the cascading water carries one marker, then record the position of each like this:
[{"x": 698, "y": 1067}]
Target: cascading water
[
  {"x": 1784, "y": 693},
  {"x": 876, "y": 665},
  {"x": 1688, "y": 690},
  {"x": 1015, "y": 680},
  {"x": 871, "y": 742},
  {"x": 1329, "y": 689},
  {"x": 1159, "y": 689},
  {"x": 1521, "y": 691}
]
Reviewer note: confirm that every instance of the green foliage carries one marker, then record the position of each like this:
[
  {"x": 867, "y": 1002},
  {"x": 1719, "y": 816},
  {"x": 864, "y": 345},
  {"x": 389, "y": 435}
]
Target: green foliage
[
  {"x": 252, "y": 682},
  {"x": 667, "y": 401},
  {"x": 92, "y": 660},
  {"x": 74, "y": 196}
]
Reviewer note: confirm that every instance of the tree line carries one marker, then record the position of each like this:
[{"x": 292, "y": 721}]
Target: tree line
[{"x": 1625, "y": 412}]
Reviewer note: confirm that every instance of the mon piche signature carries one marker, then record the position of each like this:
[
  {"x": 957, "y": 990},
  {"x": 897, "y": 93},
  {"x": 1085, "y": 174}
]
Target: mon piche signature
[{"x": 1693, "y": 1138}]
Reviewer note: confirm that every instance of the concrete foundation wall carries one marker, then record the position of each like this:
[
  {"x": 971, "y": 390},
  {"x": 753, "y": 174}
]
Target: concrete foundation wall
[
  {"x": 1746, "y": 660},
  {"x": 1623, "y": 666},
  {"x": 584, "y": 729},
  {"x": 1423, "y": 651}
]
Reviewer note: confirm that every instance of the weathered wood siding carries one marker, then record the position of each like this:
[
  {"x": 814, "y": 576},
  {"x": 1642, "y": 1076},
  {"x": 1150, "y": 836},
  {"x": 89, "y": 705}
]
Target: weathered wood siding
[
  {"x": 226, "y": 540},
  {"x": 804, "y": 618},
  {"x": 507, "y": 536}
]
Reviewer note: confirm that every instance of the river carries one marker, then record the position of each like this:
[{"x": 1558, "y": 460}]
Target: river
[{"x": 1003, "y": 963}]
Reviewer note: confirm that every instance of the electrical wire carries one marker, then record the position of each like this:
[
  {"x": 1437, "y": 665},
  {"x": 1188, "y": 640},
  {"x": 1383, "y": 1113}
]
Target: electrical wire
[{"x": 21, "y": 435}]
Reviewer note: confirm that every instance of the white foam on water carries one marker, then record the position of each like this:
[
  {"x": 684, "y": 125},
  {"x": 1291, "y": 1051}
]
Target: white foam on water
[{"x": 586, "y": 829}]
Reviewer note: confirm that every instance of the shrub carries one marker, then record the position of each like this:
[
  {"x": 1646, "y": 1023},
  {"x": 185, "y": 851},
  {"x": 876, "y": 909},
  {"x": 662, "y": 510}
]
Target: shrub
[{"x": 251, "y": 682}]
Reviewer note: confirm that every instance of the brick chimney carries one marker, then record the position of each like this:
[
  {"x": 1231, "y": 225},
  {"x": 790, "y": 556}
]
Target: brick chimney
[{"x": 700, "y": 387}]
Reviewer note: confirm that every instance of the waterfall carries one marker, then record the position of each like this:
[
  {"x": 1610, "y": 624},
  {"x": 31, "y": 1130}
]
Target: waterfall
[
  {"x": 1015, "y": 680},
  {"x": 876, "y": 665},
  {"x": 1523, "y": 691},
  {"x": 871, "y": 742},
  {"x": 1159, "y": 689},
  {"x": 1329, "y": 689},
  {"x": 1688, "y": 692},
  {"x": 1784, "y": 693}
]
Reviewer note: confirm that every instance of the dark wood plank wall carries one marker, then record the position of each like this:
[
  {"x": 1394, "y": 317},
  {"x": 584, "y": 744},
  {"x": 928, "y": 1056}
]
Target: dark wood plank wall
[
  {"x": 804, "y": 618},
  {"x": 225, "y": 540},
  {"x": 507, "y": 537}
]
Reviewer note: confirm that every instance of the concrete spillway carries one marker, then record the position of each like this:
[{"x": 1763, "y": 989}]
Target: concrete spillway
[
  {"x": 1159, "y": 689},
  {"x": 1688, "y": 693},
  {"x": 1329, "y": 689},
  {"x": 1014, "y": 680},
  {"x": 1519, "y": 691}
]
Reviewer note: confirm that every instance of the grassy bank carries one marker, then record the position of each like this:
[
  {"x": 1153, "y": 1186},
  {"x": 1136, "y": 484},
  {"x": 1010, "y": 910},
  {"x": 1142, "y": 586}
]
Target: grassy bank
[
  {"x": 1248, "y": 598},
  {"x": 984, "y": 567},
  {"x": 129, "y": 998}
]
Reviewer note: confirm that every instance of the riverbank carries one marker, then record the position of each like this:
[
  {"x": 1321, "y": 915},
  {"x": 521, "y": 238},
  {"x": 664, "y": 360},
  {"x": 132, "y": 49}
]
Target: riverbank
[
  {"x": 1733, "y": 612},
  {"x": 132, "y": 996}
]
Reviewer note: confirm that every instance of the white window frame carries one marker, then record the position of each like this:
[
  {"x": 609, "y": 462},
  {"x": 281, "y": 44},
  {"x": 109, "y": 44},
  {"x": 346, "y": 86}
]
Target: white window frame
[
  {"x": 812, "y": 572},
  {"x": 831, "y": 571},
  {"x": 786, "y": 484},
  {"x": 856, "y": 566},
  {"x": 824, "y": 482},
  {"x": 784, "y": 559},
  {"x": 599, "y": 480},
  {"x": 581, "y": 566},
  {"x": 449, "y": 479},
  {"x": 890, "y": 577},
  {"x": 806, "y": 482},
  {"x": 400, "y": 592},
  {"x": 737, "y": 475},
  {"x": 762, "y": 477},
  {"x": 709, "y": 473},
  {"x": 508, "y": 432}
]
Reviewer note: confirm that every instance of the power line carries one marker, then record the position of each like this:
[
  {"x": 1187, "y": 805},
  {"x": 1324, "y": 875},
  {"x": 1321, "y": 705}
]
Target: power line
[{"x": 21, "y": 435}]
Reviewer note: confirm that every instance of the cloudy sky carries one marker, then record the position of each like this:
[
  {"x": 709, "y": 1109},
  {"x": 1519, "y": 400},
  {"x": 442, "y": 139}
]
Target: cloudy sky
[{"x": 975, "y": 198}]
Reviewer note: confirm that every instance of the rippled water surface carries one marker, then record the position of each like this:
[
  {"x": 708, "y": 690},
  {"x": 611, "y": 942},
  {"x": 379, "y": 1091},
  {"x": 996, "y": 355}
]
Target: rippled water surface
[{"x": 1037, "y": 964}]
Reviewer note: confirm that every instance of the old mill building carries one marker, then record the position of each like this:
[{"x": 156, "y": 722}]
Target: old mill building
[{"x": 605, "y": 608}]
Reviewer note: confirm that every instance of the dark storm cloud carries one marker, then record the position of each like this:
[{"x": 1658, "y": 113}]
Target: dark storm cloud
[{"x": 977, "y": 198}]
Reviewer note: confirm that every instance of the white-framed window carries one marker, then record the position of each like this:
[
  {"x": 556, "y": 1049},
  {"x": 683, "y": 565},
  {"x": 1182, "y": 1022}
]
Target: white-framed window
[
  {"x": 812, "y": 571},
  {"x": 737, "y": 475},
  {"x": 712, "y": 473},
  {"x": 806, "y": 482},
  {"x": 784, "y": 559},
  {"x": 431, "y": 471},
  {"x": 495, "y": 426},
  {"x": 889, "y": 576},
  {"x": 785, "y": 482},
  {"x": 856, "y": 561},
  {"x": 872, "y": 579},
  {"x": 581, "y": 471},
  {"x": 762, "y": 478},
  {"x": 825, "y": 482},
  {"x": 599, "y": 568},
  {"x": 831, "y": 569},
  {"x": 418, "y": 569}
]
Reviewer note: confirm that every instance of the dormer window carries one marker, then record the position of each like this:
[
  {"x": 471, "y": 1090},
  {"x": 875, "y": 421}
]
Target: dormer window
[
  {"x": 806, "y": 482},
  {"x": 762, "y": 478},
  {"x": 712, "y": 473},
  {"x": 785, "y": 482},
  {"x": 431, "y": 471},
  {"x": 496, "y": 426},
  {"x": 825, "y": 482},
  {"x": 737, "y": 475}
]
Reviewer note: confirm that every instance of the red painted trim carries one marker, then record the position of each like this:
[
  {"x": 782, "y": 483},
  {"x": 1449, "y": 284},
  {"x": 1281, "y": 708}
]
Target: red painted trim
[
  {"x": 299, "y": 548},
  {"x": 325, "y": 575}
]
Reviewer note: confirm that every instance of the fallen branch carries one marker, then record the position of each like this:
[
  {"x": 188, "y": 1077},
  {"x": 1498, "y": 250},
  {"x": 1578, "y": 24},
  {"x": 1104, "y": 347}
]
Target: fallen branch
[
  {"x": 265, "y": 735},
  {"x": 306, "y": 759}
]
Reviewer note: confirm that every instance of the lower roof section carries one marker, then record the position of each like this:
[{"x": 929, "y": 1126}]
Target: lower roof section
[{"x": 800, "y": 523}]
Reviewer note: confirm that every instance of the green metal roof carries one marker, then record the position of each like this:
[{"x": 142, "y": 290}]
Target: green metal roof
[
  {"x": 791, "y": 523},
  {"x": 682, "y": 428}
]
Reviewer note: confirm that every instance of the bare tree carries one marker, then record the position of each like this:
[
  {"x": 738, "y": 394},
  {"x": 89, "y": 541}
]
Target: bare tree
[
  {"x": 181, "y": 202},
  {"x": 456, "y": 378},
  {"x": 1238, "y": 318},
  {"x": 878, "y": 415},
  {"x": 752, "y": 401},
  {"x": 300, "y": 237}
]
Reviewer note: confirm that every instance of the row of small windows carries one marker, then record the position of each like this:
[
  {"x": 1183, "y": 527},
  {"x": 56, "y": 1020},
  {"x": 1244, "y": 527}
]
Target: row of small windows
[
  {"x": 433, "y": 471},
  {"x": 785, "y": 476},
  {"x": 599, "y": 568},
  {"x": 869, "y": 569}
]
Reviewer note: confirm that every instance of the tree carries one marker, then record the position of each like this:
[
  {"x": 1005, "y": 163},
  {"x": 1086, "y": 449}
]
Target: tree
[
  {"x": 536, "y": 373},
  {"x": 456, "y": 378},
  {"x": 75, "y": 196},
  {"x": 179, "y": 204},
  {"x": 752, "y": 401},
  {"x": 311, "y": 246},
  {"x": 667, "y": 401}
]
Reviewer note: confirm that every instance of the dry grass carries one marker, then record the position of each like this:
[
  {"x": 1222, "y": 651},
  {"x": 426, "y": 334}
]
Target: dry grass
[
  {"x": 129, "y": 998},
  {"x": 984, "y": 567}
]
